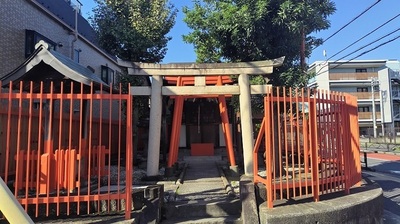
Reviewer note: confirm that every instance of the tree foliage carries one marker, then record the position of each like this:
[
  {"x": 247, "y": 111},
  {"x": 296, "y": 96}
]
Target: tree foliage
[
  {"x": 134, "y": 30},
  {"x": 251, "y": 30}
]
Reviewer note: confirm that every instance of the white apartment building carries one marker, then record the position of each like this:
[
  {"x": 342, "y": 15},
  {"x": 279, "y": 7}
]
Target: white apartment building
[{"x": 376, "y": 83}]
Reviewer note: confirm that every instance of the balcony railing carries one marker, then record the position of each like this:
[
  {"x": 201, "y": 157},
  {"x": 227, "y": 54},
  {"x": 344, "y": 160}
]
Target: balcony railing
[
  {"x": 352, "y": 76},
  {"x": 396, "y": 113},
  {"x": 368, "y": 115},
  {"x": 395, "y": 75},
  {"x": 365, "y": 95},
  {"x": 396, "y": 93}
]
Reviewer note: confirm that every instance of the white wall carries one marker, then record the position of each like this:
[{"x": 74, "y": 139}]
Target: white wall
[
  {"x": 322, "y": 76},
  {"x": 385, "y": 84}
]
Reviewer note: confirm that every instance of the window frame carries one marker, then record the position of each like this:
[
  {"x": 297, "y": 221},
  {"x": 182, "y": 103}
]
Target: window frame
[
  {"x": 363, "y": 109},
  {"x": 107, "y": 74},
  {"x": 32, "y": 38},
  {"x": 362, "y": 89},
  {"x": 361, "y": 70}
]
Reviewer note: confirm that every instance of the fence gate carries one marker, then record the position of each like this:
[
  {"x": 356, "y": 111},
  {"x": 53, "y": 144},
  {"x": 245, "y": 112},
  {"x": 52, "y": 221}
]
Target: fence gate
[{"x": 66, "y": 148}]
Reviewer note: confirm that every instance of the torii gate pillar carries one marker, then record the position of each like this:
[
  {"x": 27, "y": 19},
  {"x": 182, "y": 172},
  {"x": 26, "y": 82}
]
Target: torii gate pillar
[
  {"x": 246, "y": 123},
  {"x": 155, "y": 126}
]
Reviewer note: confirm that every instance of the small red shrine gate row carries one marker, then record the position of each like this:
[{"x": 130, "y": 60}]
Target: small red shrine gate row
[
  {"x": 178, "y": 110},
  {"x": 66, "y": 149},
  {"x": 310, "y": 143}
]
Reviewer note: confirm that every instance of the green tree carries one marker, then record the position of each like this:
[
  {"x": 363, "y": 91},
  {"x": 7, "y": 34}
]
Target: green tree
[
  {"x": 134, "y": 30},
  {"x": 249, "y": 30}
]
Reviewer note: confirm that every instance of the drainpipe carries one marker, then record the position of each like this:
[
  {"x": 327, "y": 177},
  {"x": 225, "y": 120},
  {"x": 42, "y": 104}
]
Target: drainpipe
[{"x": 76, "y": 7}]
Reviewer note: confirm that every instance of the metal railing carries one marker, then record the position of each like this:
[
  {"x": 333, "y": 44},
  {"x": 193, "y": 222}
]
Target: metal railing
[
  {"x": 365, "y": 95},
  {"x": 352, "y": 76},
  {"x": 368, "y": 115},
  {"x": 308, "y": 152},
  {"x": 396, "y": 94},
  {"x": 62, "y": 151}
]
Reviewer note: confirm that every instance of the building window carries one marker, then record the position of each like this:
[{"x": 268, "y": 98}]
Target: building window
[
  {"x": 107, "y": 74},
  {"x": 359, "y": 70},
  {"x": 32, "y": 38},
  {"x": 362, "y": 89},
  {"x": 363, "y": 109}
]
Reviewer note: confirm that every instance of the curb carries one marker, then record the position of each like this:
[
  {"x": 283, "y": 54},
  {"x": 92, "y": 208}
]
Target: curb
[
  {"x": 182, "y": 175},
  {"x": 381, "y": 152},
  {"x": 363, "y": 205},
  {"x": 228, "y": 188}
]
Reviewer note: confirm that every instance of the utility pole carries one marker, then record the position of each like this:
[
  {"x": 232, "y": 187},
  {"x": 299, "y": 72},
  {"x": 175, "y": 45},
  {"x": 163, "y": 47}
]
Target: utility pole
[
  {"x": 374, "y": 81},
  {"x": 303, "y": 51},
  {"x": 383, "y": 99}
]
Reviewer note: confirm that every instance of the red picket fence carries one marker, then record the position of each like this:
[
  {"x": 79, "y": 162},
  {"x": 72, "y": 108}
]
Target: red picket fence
[
  {"x": 311, "y": 145},
  {"x": 67, "y": 149}
]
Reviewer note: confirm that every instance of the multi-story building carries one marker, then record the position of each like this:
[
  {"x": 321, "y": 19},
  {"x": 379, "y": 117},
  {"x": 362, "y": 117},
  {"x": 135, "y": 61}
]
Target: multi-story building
[
  {"x": 59, "y": 23},
  {"x": 376, "y": 83}
]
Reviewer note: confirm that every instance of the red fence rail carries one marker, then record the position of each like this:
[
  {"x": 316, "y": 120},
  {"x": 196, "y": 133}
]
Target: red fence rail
[
  {"x": 66, "y": 149},
  {"x": 311, "y": 145}
]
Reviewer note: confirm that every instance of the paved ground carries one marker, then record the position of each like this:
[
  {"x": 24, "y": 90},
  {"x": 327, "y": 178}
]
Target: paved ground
[
  {"x": 202, "y": 179},
  {"x": 387, "y": 174}
]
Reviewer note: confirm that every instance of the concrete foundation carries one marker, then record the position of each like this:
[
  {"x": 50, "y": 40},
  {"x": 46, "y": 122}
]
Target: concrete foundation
[{"x": 363, "y": 205}]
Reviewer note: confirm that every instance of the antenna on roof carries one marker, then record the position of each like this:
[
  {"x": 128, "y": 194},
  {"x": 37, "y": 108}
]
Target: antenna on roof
[
  {"x": 76, "y": 5},
  {"x": 324, "y": 53}
]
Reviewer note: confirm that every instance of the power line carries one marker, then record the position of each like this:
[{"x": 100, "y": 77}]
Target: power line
[
  {"x": 364, "y": 36},
  {"x": 394, "y": 31},
  {"x": 365, "y": 52},
  {"x": 367, "y": 9}
]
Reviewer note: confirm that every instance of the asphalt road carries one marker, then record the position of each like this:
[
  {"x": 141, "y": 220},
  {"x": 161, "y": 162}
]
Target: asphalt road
[{"x": 387, "y": 174}]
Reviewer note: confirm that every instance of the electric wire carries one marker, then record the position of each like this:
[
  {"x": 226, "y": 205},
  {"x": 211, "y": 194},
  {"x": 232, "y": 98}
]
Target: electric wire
[
  {"x": 350, "y": 45},
  {"x": 355, "y": 18},
  {"x": 353, "y": 52},
  {"x": 367, "y": 51},
  {"x": 394, "y": 31}
]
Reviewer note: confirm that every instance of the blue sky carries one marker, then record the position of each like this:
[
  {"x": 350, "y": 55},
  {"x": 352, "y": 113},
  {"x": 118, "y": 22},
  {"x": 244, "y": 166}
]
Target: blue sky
[{"x": 346, "y": 10}]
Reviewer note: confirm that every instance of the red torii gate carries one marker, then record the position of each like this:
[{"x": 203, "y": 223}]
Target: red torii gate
[
  {"x": 199, "y": 74},
  {"x": 178, "y": 109}
]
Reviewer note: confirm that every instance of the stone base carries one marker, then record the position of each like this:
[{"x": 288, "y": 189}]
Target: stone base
[{"x": 363, "y": 205}]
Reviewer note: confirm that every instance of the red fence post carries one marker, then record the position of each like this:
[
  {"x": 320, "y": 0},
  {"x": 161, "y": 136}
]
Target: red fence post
[
  {"x": 314, "y": 147},
  {"x": 268, "y": 146},
  {"x": 353, "y": 144},
  {"x": 129, "y": 159}
]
